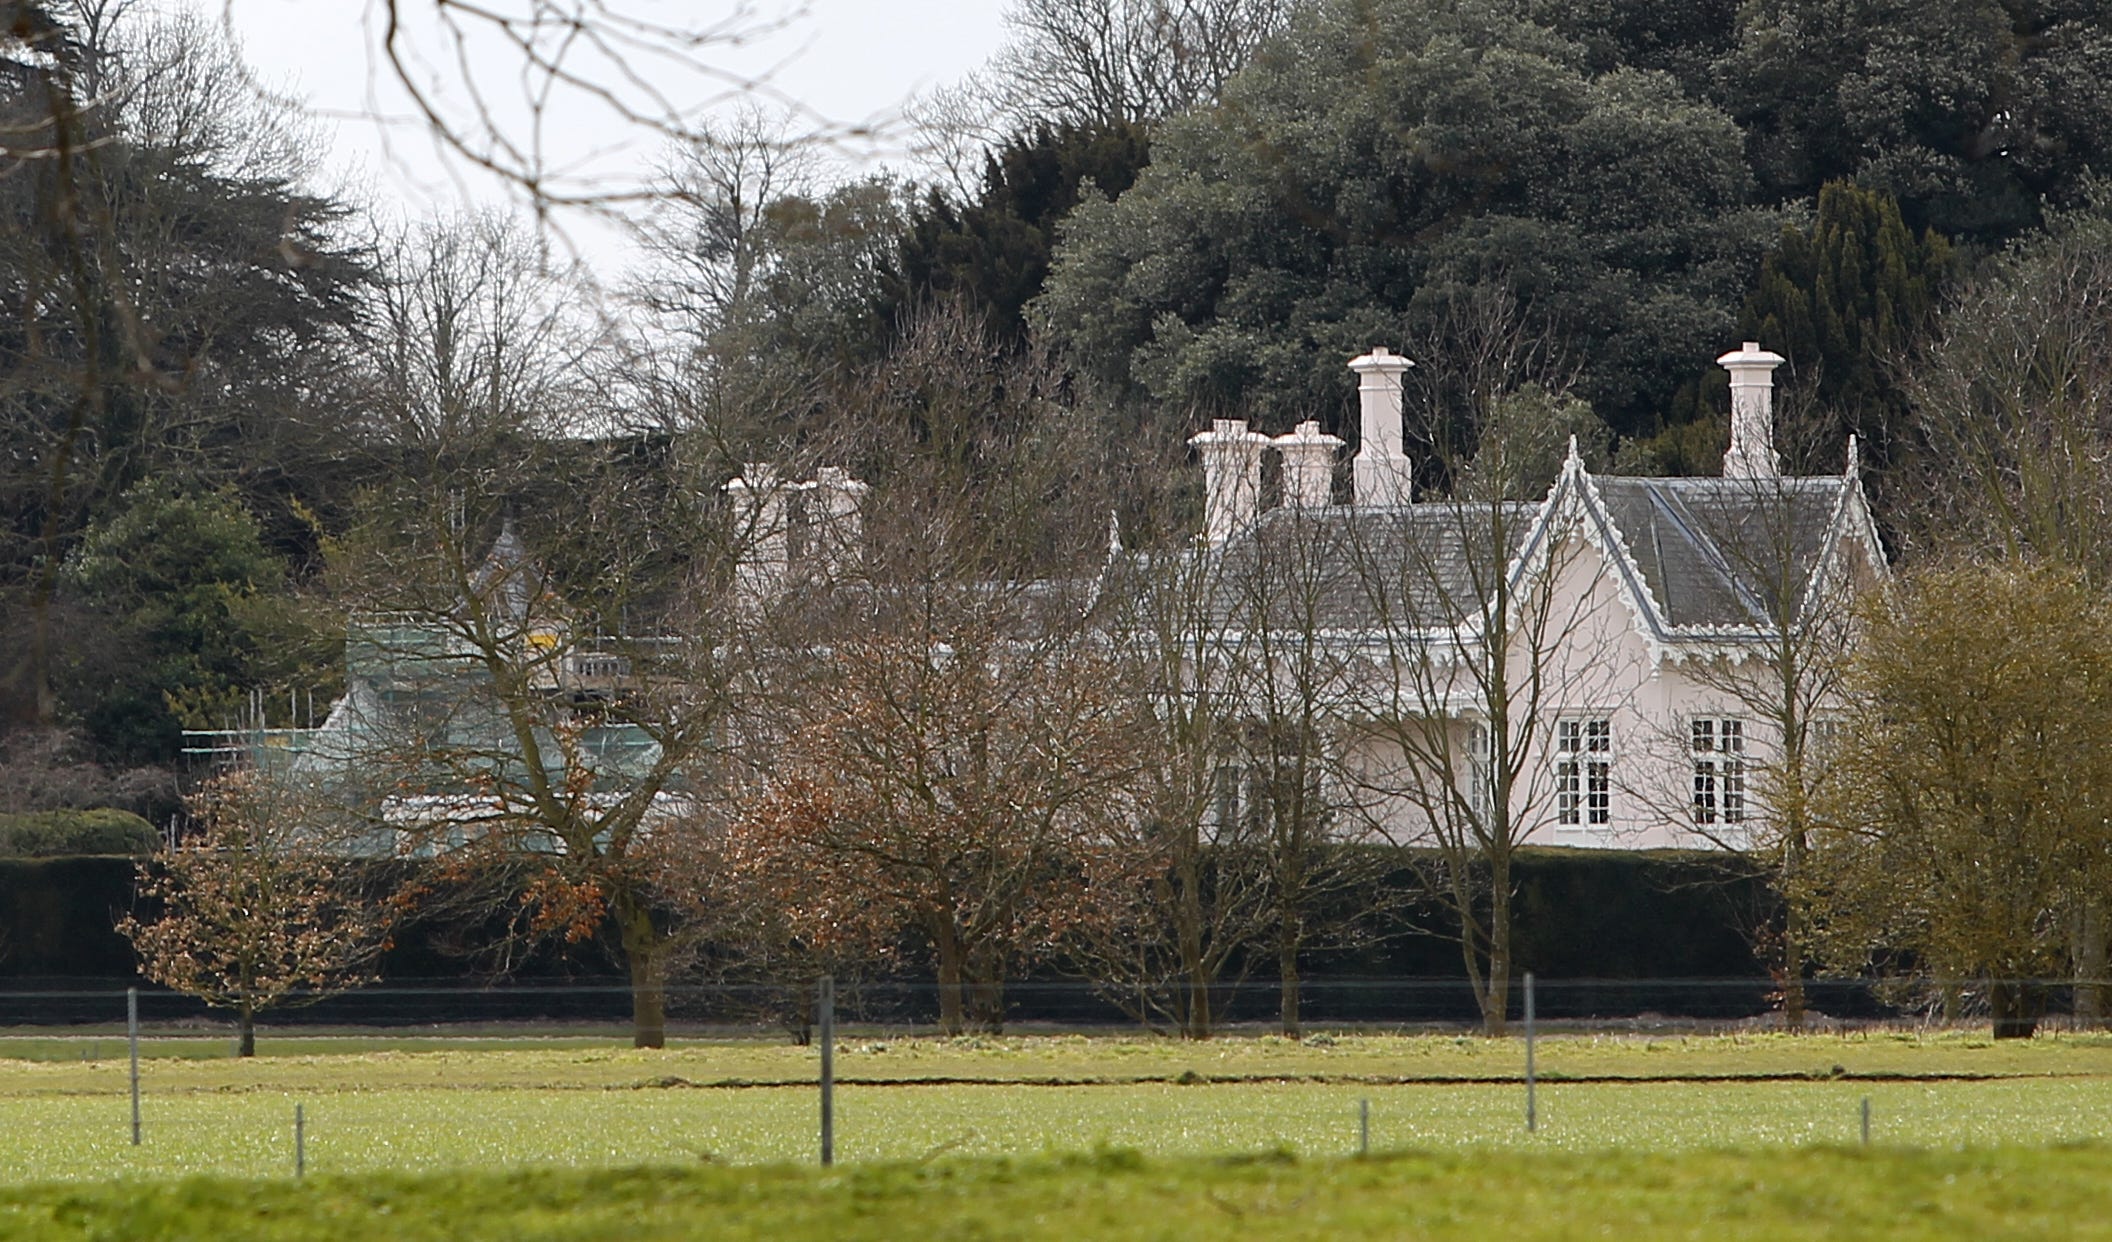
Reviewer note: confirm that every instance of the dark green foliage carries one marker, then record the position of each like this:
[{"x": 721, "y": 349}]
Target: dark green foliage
[
  {"x": 58, "y": 917},
  {"x": 1592, "y": 914},
  {"x": 1975, "y": 113},
  {"x": 55, "y": 834},
  {"x": 993, "y": 253},
  {"x": 1844, "y": 301},
  {"x": 189, "y": 612},
  {"x": 1631, "y": 914},
  {"x": 1583, "y": 914},
  {"x": 177, "y": 304},
  {"x": 1681, "y": 37},
  {"x": 1377, "y": 165}
]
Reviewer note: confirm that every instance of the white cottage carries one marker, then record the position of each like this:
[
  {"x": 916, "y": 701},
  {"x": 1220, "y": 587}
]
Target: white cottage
[{"x": 1618, "y": 664}]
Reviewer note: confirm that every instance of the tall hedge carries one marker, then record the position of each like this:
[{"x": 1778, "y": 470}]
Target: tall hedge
[
  {"x": 58, "y": 834},
  {"x": 1582, "y": 914}
]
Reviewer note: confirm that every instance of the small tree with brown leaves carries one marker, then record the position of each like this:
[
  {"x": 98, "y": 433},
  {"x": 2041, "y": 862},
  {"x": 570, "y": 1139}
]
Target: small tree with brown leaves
[{"x": 256, "y": 910}]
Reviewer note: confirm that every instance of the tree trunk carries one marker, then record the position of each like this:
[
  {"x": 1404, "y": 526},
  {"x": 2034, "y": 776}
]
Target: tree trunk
[
  {"x": 1793, "y": 1001},
  {"x": 951, "y": 1017},
  {"x": 1496, "y": 1008},
  {"x": 2090, "y": 965},
  {"x": 246, "y": 1043},
  {"x": 2015, "y": 1008},
  {"x": 1287, "y": 970},
  {"x": 1196, "y": 1018},
  {"x": 1201, "y": 1022},
  {"x": 644, "y": 952}
]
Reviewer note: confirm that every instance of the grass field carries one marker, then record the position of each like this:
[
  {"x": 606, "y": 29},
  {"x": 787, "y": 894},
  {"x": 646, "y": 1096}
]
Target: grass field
[
  {"x": 1818, "y": 1192},
  {"x": 1717, "y": 1137},
  {"x": 565, "y": 1104}
]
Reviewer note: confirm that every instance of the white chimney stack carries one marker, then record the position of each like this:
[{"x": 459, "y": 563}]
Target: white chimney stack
[
  {"x": 1308, "y": 466},
  {"x": 1382, "y": 473},
  {"x": 835, "y": 521},
  {"x": 759, "y": 522},
  {"x": 1752, "y": 452},
  {"x": 1231, "y": 477}
]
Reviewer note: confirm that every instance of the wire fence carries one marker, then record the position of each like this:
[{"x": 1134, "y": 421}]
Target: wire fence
[
  {"x": 917, "y": 1007},
  {"x": 99, "y": 1081}
]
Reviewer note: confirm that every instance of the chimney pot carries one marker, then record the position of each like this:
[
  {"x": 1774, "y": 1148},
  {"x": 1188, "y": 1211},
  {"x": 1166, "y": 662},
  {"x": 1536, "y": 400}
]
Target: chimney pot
[
  {"x": 760, "y": 524},
  {"x": 1308, "y": 466},
  {"x": 1231, "y": 477},
  {"x": 1752, "y": 451},
  {"x": 835, "y": 520},
  {"x": 1382, "y": 473}
]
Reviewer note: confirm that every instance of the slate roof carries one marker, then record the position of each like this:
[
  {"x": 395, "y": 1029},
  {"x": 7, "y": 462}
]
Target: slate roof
[
  {"x": 1348, "y": 568},
  {"x": 1698, "y": 557},
  {"x": 1719, "y": 553}
]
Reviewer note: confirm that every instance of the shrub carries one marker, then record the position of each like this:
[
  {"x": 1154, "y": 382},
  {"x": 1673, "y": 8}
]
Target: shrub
[{"x": 53, "y": 834}]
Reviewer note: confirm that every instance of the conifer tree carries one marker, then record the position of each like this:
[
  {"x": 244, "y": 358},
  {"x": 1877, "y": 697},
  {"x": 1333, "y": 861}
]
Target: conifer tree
[{"x": 1844, "y": 301}]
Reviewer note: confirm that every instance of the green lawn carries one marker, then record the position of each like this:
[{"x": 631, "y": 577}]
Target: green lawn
[
  {"x": 1820, "y": 1192},
  {"x": 1721, "y": 1137},
  {"x": 44, "y": 1065},
  {"x": 565, "y": 1105}
]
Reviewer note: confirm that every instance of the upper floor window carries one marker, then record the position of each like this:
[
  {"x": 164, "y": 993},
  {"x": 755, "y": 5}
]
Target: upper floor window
[
  {"x": 1584, "y": 770},
  {"x": 1719, "y": 770}
]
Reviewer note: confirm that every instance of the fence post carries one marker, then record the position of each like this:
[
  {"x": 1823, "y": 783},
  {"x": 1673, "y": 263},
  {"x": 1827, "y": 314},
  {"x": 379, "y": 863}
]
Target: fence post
[
  {"x": 1532, "y": 1117},
  {"x": 827, "y": 1024},
  {"x": 132, "y": 1042},
  {"x": 1866, "y": 1121},
  {"x": 300, "y": 1143},
  {"x": 1364, "y": 1127}
]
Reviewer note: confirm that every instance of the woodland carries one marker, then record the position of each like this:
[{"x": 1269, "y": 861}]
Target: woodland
[{"x": 240, "y": 406}]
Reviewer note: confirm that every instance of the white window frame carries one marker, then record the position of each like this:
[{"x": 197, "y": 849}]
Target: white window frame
[
  {"x": 1716, "y": 748},
  {"x": 1584, "y": 771},
  {"x": 1480, "y": 789}
]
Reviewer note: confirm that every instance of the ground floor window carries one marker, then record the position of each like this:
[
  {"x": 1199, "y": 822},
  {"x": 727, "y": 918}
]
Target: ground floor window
[{"x": 1719, "y": 770}]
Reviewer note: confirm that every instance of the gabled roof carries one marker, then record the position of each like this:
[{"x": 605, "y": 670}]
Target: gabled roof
[
  {"x": 1723, "y": 553},
  {"x": 1697, "y": 559},
  {"x": 509, "y": 579}
]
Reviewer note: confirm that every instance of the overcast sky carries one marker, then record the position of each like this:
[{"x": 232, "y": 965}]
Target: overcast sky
[{"x": 850, "y": 62}]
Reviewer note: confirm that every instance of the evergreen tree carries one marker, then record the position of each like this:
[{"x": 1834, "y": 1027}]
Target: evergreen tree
[
  {"x": 1384, "y": 161},
  {"x": 182, "y": 611},
  {"x": 994, "y": 253},
  {"x": 1844, "y": 301}
]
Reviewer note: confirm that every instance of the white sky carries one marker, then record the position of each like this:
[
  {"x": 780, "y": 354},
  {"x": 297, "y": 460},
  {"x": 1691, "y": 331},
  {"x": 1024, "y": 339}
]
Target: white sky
[{"x": 848, "y": 62}]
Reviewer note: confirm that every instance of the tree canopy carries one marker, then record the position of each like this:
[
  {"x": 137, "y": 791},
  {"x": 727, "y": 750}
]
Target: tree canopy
[{"x": 1376, "y": 161}]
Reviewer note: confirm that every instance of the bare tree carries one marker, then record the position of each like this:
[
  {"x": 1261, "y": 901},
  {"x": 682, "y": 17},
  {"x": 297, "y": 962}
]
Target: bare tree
[
  {"x": 1088, "y": 63},
  {"x": 1291, "y": 681},
  {"x": 959, "y": 783},
  {"x": 260, "y": 907},
  {"x": 1108, "y": 61},
  {"x": 486, "y": 82},
  {"x": 546, "y": 642},
  {"x": 472, "y": 340},
  {"x": 1195, "y": 896},
  {"x": 1497, "y": 659},
  {"x": 1742, "y": 774},
  {"x": 945, "y": 695},
  {"x": 707, "y": 241}
]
